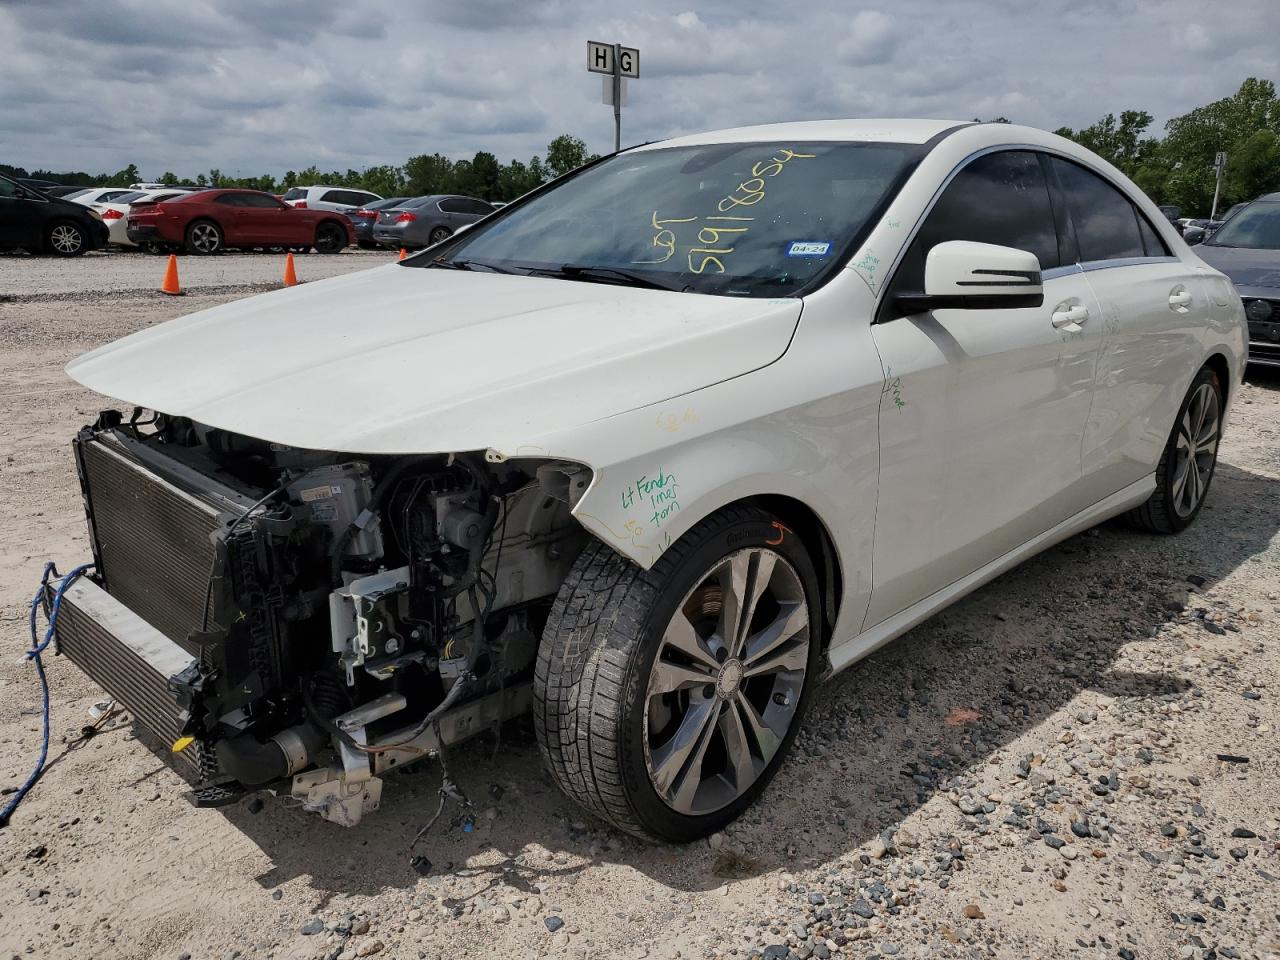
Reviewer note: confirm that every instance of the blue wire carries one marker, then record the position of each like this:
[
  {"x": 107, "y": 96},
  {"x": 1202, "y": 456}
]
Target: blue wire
[{"x": 37, "y": 648}]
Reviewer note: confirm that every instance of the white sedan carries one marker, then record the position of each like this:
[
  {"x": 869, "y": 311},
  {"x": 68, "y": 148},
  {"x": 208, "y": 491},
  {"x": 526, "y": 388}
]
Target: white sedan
[
  {"x": 115, "y": 212},
  {"x": 651, "y": 451}
]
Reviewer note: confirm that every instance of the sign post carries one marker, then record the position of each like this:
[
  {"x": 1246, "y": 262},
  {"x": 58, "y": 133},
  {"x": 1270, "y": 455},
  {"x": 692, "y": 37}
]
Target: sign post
[
  {"x": 617, "y": 62},
  {"x": 1219, "y": 163}
]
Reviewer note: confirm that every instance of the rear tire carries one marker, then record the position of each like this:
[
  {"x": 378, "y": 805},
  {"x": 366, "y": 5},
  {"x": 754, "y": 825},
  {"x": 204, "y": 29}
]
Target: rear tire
[
  {"x": 439, "y": 235},
  {"x": 644, "y": 715},
  {"x": 65, "y": 239},
  {"x": 204, "y": 238},
  {"x": 1187, "y": 464}
]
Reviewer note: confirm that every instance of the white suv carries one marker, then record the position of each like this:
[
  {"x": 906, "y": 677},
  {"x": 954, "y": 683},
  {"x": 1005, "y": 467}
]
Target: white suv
[{"x": 340, "y": 199}]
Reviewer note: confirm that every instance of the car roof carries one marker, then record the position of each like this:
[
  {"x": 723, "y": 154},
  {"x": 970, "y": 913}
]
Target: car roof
[
  {"x": 1268, "y": 196},
  {"x": 862, "y": 131}
]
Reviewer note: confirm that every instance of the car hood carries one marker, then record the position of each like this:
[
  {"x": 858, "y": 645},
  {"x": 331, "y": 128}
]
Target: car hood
[
  {"x": 406, "y": 360},
  {"x": 1245, "y": 267}
]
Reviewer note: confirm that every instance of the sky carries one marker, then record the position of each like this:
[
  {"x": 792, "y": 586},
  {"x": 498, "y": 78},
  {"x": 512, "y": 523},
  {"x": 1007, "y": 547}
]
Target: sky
[{"x": 253, "y": 87}]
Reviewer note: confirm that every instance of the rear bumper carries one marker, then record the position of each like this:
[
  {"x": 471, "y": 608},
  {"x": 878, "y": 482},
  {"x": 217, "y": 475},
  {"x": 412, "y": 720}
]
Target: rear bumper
[
  {"x": 144, "y": 234},
  {"x": 131, "y": 660}
]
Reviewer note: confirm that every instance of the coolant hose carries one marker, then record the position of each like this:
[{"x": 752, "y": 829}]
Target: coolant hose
[{"x": 256, "y": 764}]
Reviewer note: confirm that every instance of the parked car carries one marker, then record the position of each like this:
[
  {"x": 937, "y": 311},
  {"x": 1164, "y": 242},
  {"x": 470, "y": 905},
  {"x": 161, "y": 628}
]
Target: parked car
[
  {"x": 1197, "y": 228},
  {"x": 364, "y": 219},
  {"x": 586, "y": 459},
  {"x": 64, "y": 190},
  {"x": 44, "y": 186},
  {"x": 424, "y": 221},
  {"x": 1247, "y": 249},
  {"x": 1172, "y": 213},
  {"x": 209, "y": 221},
  {"x": 340, "y": 199},
  {"x": 34, "y": 221},
  {"x": 115, "y": 214},
  {"x": 94, "y": 195}
]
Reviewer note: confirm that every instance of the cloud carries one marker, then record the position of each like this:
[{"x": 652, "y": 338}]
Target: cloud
[{"x": 185, "y": 85}]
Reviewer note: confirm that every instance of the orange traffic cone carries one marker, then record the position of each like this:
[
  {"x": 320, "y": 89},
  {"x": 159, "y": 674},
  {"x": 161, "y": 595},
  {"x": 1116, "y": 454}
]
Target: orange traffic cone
[
  {"x": 170, "y": 285},
  {"x": 290, "y": 278},
  {"x": 403, "y": 253}
]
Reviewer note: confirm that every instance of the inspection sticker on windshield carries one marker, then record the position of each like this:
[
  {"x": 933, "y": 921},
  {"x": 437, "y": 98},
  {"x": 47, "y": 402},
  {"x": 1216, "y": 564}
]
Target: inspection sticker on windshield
[{"x": 808, "y": 248}]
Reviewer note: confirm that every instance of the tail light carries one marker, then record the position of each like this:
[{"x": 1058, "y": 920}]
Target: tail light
[
  {"x": 365, "y": 215},
  {"x": 406, "y": 217},
  {"x": 300, "y": 205},
  {"x": 111, "y": 214}
]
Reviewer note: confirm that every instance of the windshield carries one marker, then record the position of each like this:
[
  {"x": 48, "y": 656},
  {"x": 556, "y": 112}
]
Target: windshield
[
  {"x": 1257, "y": 227},
  {"x": 739, "y": 219}
]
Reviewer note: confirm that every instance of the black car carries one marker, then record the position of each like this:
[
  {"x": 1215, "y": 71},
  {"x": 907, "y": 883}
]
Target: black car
[
  {"x": 1247, "y": 249},
  {"x": 364, "y": 219},
  {"x": 39, "y": 223}
]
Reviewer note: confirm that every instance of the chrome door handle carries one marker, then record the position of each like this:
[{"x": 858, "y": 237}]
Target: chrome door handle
[
  {"x": 1064, "y": 318},
  {"x": 1179, "y": 298}
]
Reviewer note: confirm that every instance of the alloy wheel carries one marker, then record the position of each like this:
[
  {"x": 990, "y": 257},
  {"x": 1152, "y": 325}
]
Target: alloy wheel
[
  {"x": 65, "y": 239},
  {"x": 205, "y": 238},
  {"x": 726, "y": 683},
  {"x": 1196, "y": 449}
]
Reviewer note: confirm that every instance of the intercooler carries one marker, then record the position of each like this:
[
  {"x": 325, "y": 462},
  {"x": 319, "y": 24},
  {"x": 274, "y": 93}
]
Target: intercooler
[{"x": 129, "y": 659}]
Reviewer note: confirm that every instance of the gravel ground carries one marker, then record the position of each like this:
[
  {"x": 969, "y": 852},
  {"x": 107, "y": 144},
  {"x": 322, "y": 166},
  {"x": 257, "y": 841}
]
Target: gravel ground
[
  {"x": 1079, "y": 760},
  {"x": 25, "y": 278}
]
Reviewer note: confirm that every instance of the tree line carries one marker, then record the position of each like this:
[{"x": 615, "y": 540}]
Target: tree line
[
  {"x": 1178, "y": 168},
  {"x": 482, "y": 176}
]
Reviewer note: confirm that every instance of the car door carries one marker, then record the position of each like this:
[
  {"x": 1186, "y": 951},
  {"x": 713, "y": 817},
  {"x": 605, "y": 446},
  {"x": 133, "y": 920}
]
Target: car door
[
  {"x": 266, "y": 220},
  {"x": 473, "y": 210},
  {"x": 1154, "y": 313},
  {"x": 21, "y": 220},
  {"x": 983, "y": 409}
]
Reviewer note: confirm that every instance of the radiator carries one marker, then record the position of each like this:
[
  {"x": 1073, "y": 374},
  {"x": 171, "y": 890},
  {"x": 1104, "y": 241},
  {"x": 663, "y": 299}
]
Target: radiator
[{"x": 151, "y": 537}]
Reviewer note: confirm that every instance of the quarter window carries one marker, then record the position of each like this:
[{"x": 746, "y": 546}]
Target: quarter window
[{"x": 1106, "y": 222}]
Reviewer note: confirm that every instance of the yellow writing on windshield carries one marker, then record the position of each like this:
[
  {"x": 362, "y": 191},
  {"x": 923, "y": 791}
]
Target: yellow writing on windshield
[
  {"x": 665, "y": 238},
  {"x": 716, "y": 234}
]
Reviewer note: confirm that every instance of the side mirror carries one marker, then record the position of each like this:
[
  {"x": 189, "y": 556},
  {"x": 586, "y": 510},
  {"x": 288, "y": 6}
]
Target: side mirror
[
  {"x": 965, "y": 275},
  {"x": 1194, "y": 235}
]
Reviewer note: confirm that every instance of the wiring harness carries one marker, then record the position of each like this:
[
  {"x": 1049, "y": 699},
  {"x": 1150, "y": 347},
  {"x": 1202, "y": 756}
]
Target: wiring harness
[{"x": 38, "y": 647}]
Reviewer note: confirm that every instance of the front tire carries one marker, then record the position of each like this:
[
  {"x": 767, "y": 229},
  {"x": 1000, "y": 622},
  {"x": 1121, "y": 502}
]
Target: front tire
[
  {"x": 65, "y": 239},
  {"x": 204, "y": 237},
  {"x": 330, "y": 238},
  {"x": 665, "y": 700},
  {"x": 1187, "y": 464}
]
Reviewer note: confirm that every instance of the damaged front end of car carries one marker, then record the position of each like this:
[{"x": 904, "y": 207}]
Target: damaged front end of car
[{"x": 308, "y": 620}]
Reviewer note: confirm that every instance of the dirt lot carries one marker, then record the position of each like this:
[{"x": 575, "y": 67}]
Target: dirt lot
[{"x": 1037, "y": 772}]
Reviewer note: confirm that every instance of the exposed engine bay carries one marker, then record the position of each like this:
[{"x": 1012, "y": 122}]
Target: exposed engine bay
[{"x": 334, "y": 616}]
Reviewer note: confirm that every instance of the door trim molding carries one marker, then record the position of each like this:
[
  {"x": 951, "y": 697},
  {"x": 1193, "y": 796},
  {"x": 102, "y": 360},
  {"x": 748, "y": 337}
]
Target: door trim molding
[{"x": 848, "y": 652}]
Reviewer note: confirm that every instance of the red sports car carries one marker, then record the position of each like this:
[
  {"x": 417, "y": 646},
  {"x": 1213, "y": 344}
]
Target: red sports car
[{"x": 209, "y": 220}]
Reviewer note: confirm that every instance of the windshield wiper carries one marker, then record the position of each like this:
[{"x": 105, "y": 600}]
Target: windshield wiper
[
  {"x": 628, "y": 278},
  {"x": 469, "y": 265}
]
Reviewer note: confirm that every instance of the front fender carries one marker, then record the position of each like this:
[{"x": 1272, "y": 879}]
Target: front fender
[{"x": 803, "y": 427}]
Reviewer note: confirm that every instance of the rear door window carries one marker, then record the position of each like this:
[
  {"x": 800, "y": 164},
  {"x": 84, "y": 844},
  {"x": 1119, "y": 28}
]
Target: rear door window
[
  {"x": 1106, "y": 222},
  {"x": 453, "y": 205}
]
